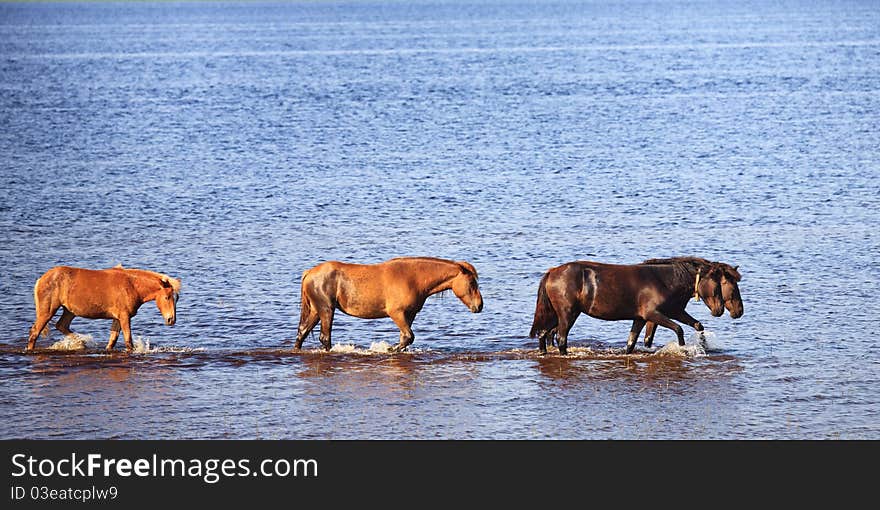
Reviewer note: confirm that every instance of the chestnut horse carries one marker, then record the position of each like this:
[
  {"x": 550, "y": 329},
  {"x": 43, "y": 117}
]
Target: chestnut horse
[
  {"x": 396, "y": 288},
  {"x": 640, "y": 292},
  {"x": 114, "y": 293},
  {"x": 730, "y": 277}
]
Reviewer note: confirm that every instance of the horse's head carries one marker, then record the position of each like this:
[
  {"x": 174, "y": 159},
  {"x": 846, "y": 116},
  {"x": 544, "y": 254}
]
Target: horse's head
[
  {"x": 730, "y": 291},
  {"x": 465, "y": 287},
  {"x": 166, "y": 299},
  {"x": 708, "y": 288}
]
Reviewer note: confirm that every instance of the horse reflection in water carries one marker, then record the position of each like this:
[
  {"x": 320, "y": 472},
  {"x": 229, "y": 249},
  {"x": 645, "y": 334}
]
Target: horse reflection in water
[
  {"x": 396, "y": 288},
  {"x": 367, "y": 376}
]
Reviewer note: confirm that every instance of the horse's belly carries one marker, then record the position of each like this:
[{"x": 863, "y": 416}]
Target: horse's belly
[
  {"x": 88, "y": 307},
  {"x": 362, "y": 309},
  {"x": 90, "y": 312},
  {"x": 364, "y": 314},
  {"x": 610, "y": 316}
]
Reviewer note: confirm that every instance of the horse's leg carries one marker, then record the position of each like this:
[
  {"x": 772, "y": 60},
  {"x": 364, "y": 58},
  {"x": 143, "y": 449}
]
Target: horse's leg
[
  {"x": 567, "y": 316},
  {"x": 666, "y": 322},
  {"x": 686, "y": 318},
  {"x": 650, "y": 329},
  {"x": 307, "y": 322},
  {"x": 326, "y": 318},
  {"x": 547, "y": 337},
  {"x": 114, "y": 334},
  {"x": 125, "y": 324},
  {"x": 63, "y": 324},
  {"x": 43, "y": 317},
  {"x": 46, "y": 306},
  {"x": 634, "y": 331},
  {"x": 404, "y": 321}
]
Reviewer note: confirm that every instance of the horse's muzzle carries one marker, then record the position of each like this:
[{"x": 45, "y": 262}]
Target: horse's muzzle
[
  {"x": 169, "y": 321},
  {"x": 477, "y": 308}
]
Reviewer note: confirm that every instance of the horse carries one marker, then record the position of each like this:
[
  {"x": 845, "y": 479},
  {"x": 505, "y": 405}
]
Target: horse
[
  {"x": 396, "y": 288},
  {"x": 729, "y": 290},
  {"x": 115, "y": 293},
  {"x": 641, "y": 292}
]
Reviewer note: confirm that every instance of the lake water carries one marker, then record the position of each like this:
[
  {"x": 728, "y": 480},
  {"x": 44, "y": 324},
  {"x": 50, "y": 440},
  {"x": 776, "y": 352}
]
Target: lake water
[{"x": 234, "y": 145}]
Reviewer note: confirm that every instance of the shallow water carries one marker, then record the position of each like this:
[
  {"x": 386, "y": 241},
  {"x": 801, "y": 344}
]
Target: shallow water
[{"x": 235, "y": 145}]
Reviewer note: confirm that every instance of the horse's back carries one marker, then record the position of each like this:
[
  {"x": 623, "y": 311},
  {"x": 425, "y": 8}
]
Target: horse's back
[
  {"x": 602, "y": 290},
  {"x": 356, "y": 289},
  {"x": 74, "y": 287}
]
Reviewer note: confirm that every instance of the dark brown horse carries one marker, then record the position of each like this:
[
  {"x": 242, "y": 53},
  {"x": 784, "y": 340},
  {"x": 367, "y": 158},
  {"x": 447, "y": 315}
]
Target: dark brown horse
[
  {"x": 396, "y": 288},
  {"x": 116, "y": 293},
  {"x": 730, "y": 278},
  {"x": 642, "y": 292}
]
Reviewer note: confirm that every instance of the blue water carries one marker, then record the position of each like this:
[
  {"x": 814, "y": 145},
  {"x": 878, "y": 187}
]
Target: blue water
[{"x": 234, "y": 145}]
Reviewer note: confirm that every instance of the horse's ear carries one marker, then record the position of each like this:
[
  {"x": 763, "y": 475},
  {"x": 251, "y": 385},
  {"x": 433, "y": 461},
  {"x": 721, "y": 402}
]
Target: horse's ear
[
  {"x": 466, "y": 267},
  {"x": 165, "y": 282},
  {"x": 735, "y": 274}
]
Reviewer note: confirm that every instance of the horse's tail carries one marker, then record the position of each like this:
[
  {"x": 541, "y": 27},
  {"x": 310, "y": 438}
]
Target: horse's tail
[
  {"x": 305, "y": 302},
  {"x": 40, "y": 281},
  {"x": 545, "y": 315}
]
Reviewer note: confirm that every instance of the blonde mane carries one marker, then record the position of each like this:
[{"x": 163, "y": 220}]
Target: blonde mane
[{"x": 145, "y": 273}]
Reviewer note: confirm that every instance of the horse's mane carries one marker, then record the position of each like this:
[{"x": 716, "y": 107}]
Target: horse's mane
[
  {"x": 465, "y": 266},
  {"x": 174, "y": 282},
  {"x": 699, "y": 263}
]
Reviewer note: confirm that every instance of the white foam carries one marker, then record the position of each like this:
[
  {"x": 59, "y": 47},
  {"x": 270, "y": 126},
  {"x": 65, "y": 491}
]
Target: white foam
[
  {"x": 684, "y": 351},
  {"x": 381, "y": 347},
  {"x": 375, "y": 348},
  {"x": 710, "y": 341},
  {"x": 74, "y": 342},
  {"x": 142, "y": 345}
]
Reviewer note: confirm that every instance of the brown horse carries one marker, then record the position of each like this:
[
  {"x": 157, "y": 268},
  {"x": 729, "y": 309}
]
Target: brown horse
[
  {"x": 640, "y": 292},
  {"x": 114, "y": 293},
  {"x": 396, "y": 288},
  {"x": 730, "y": 277}
]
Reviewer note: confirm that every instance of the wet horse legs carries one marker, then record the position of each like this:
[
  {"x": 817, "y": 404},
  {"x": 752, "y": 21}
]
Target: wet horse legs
[
  {"x": 63, "y": 324},
  {"x": 650, "y": 329},
  {"x": 662, "y": 320},
  {"x": 306, "y": 325},
  {"x": 404, "y": 321},
  {"x": 124, "y": 324},
  {"x": 326, "y": 318},
  {"x": 114, "y": 334},
  {"x": 44, "y": 314},
  {"x": 637, "y": 326},
  {"x": 681, "y": 317}
]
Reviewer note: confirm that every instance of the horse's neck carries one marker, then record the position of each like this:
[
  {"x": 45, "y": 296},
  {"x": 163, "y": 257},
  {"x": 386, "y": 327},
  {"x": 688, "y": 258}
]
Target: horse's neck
[
  {"x": 682, "y": 279},
  {"x": 145, "y": 285},
  {"x": 443, "y": 281}
]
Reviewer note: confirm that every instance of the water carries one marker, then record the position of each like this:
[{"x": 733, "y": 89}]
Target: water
[{"x": 234, "y": 145}]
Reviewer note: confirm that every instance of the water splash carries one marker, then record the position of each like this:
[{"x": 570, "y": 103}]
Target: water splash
[
  {"x": 74, "y": 342},
  {"x": 375, "y": 348},
  {"x": 710, "y": 341},
  {"x": 684, "y": 351},
  {"x": 142, "y": 345},
  {"x": 698, "y": 345}
]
